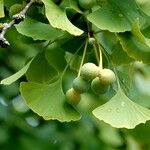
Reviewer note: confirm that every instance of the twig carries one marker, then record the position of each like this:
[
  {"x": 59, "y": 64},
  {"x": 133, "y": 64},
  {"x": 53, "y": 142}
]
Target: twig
[
  {"x": 16, "y": 19},
  {"x": 96, "y": 53}
]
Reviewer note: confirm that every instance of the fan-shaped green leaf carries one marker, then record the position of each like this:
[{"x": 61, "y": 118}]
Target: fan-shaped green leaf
[
  {"x": 121, "y": 112},
  {"x": 134, "y": 47},
  {"x": 17, "y": 75},
  {"x": 116, "y": 15},
  {"x": 113, "y": 47},
  {"x": 138, "y": 34},
  {"x": 1, "y": 8},
  {"x": 58, "y": 18},
  {"x": 38, "y": 30},
  {"x": 48, "y": 101}
]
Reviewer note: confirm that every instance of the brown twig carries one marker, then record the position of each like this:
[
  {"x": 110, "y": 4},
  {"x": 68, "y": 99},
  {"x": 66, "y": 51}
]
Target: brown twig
[{"x": 16, "y": 19}]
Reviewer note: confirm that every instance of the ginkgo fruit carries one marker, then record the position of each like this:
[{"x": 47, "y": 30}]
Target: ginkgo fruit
[
  {"x": 80, "y": 85},
  {"x": 107, "y": 76},
  {"x": 97, "y": 87},
  {"x": 73, "y": 97},
  {"x": 15, "y": 9},
  {"x": 89, "y": 71},
  {"x": 91, "y": 41},
  {"x": 86, "y": 4}
]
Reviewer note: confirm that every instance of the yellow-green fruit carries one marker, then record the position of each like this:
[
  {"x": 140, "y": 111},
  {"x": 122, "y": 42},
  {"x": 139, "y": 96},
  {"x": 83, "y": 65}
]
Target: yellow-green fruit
[
  {"x": 80, "y": 85},
  {"x": 1, "y": 26},
  {"x": 86, "y": 4},
  {"x": 97, "y": 87},
  {"x": 89, "y": 71},
  {"x": 15, "y": 9},
  {"x": 72, "y": 97},
  {"x": 91, "y": 41},
  {"x": 106, "y": 76}
]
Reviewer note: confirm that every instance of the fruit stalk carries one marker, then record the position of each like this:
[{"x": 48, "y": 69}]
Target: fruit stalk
[
  {"x": 101, "y": 58},
  {"x": 96, "y": 53},
  {"x": 82, "y": 60}
]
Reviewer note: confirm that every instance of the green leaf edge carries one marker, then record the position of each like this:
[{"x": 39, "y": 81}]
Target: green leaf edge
[
  {"x": 11, "y": 79},
  {"x": 123, "y": 126}
]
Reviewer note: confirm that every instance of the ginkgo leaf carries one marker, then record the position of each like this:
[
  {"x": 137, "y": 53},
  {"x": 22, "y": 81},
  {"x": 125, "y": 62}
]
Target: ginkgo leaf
[
  {"x": 74, "y": 5},
  {"x": 48, "y": 101},
  {"x": 137, "y": 33},
  {"x": 116, "y": 16},
  {"x": 40, "y": 71},
  {"x": 16, "y": 76},
  {"x": 58, "y": 18},
  {"x": 121, "y": 112},
  {"x": 135, "y": 44},
  {"x": 38, "y": 30},
  {"x": 113, "y": 48},
  {"x": 134, "y": 47},
  {"x": 1, "y": 8}
]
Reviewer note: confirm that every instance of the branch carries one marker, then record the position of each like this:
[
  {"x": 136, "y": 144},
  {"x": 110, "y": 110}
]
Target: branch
[{"x": 16, "y": 19}]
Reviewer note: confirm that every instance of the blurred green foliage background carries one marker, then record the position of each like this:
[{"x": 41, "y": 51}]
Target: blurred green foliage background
[{"x": 22, "y": 129}]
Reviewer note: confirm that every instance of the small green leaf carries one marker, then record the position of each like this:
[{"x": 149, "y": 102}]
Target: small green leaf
[
  {"x": 116, "y": 16},
  {"x": 121, "y": 112},
  {"x": 48, "y": 101},
  {"x": 136, "y": 30},
  {"x": 138, "y": 34},
  {"x": 16, "y": 76},
  {"x": 1, "y": 8},
  {"x": 38, "y": 30},
  {"x": 58, "y": 18},
  {"x": 134, "y": 47}
]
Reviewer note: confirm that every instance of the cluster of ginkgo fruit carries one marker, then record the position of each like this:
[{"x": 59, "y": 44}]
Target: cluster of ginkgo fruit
[{"x": 90, "y": 76}]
